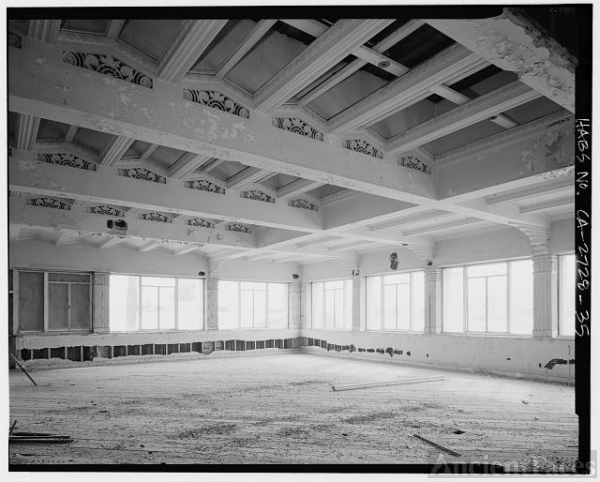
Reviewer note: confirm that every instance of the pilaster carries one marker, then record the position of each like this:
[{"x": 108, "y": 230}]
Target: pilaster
[
  {"x": 294, "y": 305},
  {"x": 211, "y": 303},
  {"x": 100, "y": 300},
  {"x": 545, "y": 296},
  {"x": 305, "y": 305},
  {"x": 433, "y": 300},
  {"x": 357, "y": 301}
]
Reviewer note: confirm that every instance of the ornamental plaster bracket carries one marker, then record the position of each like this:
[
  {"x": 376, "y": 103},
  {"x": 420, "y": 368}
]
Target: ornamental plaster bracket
[
  {"x": 516, "y": 43},
  {"x": 538, "y": 237},
  {"x": 214, "y": 265}
]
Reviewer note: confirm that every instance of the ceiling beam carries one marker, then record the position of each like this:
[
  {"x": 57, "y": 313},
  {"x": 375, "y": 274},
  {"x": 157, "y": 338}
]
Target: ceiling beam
[
  {"x": 115, "y": 149},
  {"x": 27, "y": 130},
  {"x": 43, "y": 30},
  {"x": 415, "y": 218},
  {"x": 110, "y": 242},
  {"x": 440, "y": 227},
  {"x": 336, "y": 43},
  {"x": 296, "y": 187},
  {"x": 186, "y": 164},
  {"x": 193, "y": 39},
  {"x": 403, "y": 32},
  {"x": 64, "y": 238},
  {"x": 257, "y": 33},
  {"x": 409, "y": 89},
  {"x": 187, "y": 249},
  {"x": 548, "y": 204},
  {"x": 114, "y": 28},
  {"x": 245, "y": 177},
  {"x": 474, "y": 111},
  {"x": 149, "y": 246},
  {"x": 561, "y": 184},
  {"x": 513, "y": 42}
]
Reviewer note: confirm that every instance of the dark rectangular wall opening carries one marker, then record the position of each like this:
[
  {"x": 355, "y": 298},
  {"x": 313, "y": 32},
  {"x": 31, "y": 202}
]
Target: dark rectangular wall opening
[
  {"x": 197, "y": 346},
  {"x": 88, "y": 354},
  {"x": 279, "y": 344},
  {"x": 133, "y": 350},
  {"x": 250, "y": 345},
  {"x": 184, "y": 347},
  {"x": 120, "y": 350},
  {"x": 148, "y": 349},
  {"x": 230, "y": 345},
  {"x": 270, "y": 343},
  {"x": 40, "y": 354},
  {"x": 57, "y": 352},
  {"x": 260, "y": 345},
  {"x": 74, "y": 353},
  {"x": 25, "y": 354},
  {"x": 240, "y": 345},
  {"x": 173, "y": 348},
  {"x": 160, "y": 349},
  {"x": 219, "y": 345}
]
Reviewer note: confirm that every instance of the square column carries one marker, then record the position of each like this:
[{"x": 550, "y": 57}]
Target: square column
[
  {"x": 294, "y": 305},
  {"x": 545, "y": 296},
  {"x": 433, "y": 300},
  {"x": 358, "y": 293},
  {"x": 100, "y": 300},
  {"x": 211, "y": 303},
  {"x": 305, "y": 305}
]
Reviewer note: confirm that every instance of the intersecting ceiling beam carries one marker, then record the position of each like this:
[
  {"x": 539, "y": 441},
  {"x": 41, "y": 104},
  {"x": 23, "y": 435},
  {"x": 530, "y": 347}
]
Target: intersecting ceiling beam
[
  {"x": 194, "y": 38},
  {"x": 149, "y": 246},
  {"x": 296, "y": 187},
  {"x": 116, "y": 148},
  {"x": 64, "y": 239},
  {"x": 187, "y": 249},
  {"x": 513, "y": 42},
  {"x": 332, "y": 46},
  {"x": 186, "y": 164},
  {"x": 258, "y": 32},
  {"x": 548, "y": 204},
  {"x": 43, "y": 30},
  {"x": 111, "y": 242},
  {"x": 27, "y": 130},
  {"x": 409, "y": 89},
  {"x": 245, "y": 177},
  {"x": 561, "y": 184},
  {"x": 114, "y": 28},
  {"x": 477, "y": 110}
]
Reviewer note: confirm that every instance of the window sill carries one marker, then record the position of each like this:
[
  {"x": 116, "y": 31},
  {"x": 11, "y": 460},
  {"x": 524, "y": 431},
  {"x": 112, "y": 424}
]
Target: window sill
[{"x": 488, "y": 335}]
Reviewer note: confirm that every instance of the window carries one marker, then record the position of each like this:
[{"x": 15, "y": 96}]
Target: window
[
  {"x": 332, "y": 305},
  {"x": 566, "y": 299},
  {"x": 249, "y": 305},
  {"x": 54, "y": 301},
  {"x": 396, "y": 302},
  {"x": 489, "y": 298},
  {"x": 155, "y": 303}
]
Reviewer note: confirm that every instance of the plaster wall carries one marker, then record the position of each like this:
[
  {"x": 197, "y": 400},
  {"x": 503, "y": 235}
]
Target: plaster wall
[{"x": 509, "y": 355}]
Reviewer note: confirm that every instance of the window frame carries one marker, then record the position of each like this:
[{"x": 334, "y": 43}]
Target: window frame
[
  {"x": 175, "y": 287},
  {"x": 382, "y": 301},
  {"x": 267, "y": 305},
  {"x": 346, "y": 290},
  {"x": 46, "y": 301},
  {"x": 509, "y": 302}
]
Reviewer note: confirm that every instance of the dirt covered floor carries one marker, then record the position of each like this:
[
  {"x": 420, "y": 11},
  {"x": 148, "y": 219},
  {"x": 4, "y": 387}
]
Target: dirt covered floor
[{"x": 274, "y": 409}]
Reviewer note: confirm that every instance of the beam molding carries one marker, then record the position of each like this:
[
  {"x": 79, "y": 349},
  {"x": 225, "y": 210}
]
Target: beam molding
[
  {"x": 115, "y": 150},
  {"x": 186, "y": 164}
]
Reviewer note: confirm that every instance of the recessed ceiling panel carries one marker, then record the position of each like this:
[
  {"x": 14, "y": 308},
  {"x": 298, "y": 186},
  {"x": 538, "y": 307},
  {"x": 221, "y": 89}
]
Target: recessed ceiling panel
[
  {"x": 345, "y": 94},
  {"x": 225, "y": 43},
  {"x": 470, "y": 134},
  {"x": 419, "y": 46},
  {"x": 535, "y": 109},
  {"x": 268, "y": 57},
  {"x": 405, "y": 119},
  {"x": 92, "y": 140},
  {"x": 51, "y": 130},
  {"x": 151, "y": 37},
  {"x": 280, "y": 180},
  {"x": 166, "y": 156},
  {"x": 326, "y": 190},
  {"x": 96, "y": 25},
  {"x": 227, "y": 169}
]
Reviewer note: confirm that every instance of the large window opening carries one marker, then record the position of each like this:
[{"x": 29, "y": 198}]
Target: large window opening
[
  {"x": 155, "y": 303},
  {"x": 489, "y": 298},
  {"x": 332, "y": 305},
  {"x": 250, "y": 305}
]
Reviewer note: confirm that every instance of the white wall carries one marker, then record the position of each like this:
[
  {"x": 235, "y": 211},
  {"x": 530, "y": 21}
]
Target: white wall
[{"x": 258, "y": 271}]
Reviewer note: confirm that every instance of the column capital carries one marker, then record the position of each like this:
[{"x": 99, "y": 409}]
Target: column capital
[
  {"x": 100, "y": 278},
  {"x": 432, "y": 274},
  {"x": 544, "y": 263},
  {"x": 212, "y": 282}
]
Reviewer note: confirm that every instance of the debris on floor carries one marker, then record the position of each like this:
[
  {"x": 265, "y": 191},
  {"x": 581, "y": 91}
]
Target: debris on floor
[
  {"x": 437, "y": 446},
  {"x": 360, "y": 386},
  {"x": 32, "y": 437}
]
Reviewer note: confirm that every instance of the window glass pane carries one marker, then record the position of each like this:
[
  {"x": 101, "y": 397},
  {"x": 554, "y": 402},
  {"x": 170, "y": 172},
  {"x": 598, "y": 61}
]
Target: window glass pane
[
  {"x": 166, "y": 299},
  {"x": 246, "y": 308},
  {"x": 486, "y": 270},
  {"x": 149, "y": 308},
  {"x": 567, "y": 288},
  {"x": 80, "y": 316},
  {"x": 190, "y": 313},
  {"x": 31, "y": 301},
  {"x": 58, "y": 309},
  {"x": 389, "y": 307},
  {"x": 403, "y": 300},
  {"x": 278, "y": 298},
  {"x": 260, "y": 309},
  {"x": 244, "y": 285},
  {"x": 521, "y": 297},
  {"x": 317, "y": 305},
  {"x": 66, "y": 277},
  {"x": 374, "y": 303},
  {"x": 228, "y": 305},
  {"x": 348, "y": 304},
  {"x": 452, "y": 288},
  {"x": 476, "y": 304},
  {"x": 124, "y": 303},
  {"x": 396, "y": 278},
  {"x": 157, "y": 281},
  {"x": 334, "y": 285},
  {"x": 418, "y": 301},
  {"x": 496, "y": 304},
  {"x": 339, "y": 309},
  {"x": 329, "y": 308}
]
